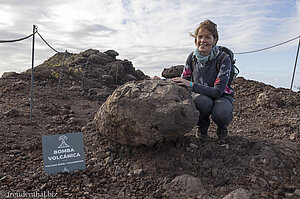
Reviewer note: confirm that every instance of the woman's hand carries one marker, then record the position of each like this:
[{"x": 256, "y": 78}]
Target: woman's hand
[{"x": 182, "y": 82}]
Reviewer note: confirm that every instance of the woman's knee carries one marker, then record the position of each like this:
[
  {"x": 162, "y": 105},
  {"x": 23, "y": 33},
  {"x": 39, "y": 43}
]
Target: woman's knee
[
  {"x": 222, "y": 113},
  {"x": 203, "y": 103}
]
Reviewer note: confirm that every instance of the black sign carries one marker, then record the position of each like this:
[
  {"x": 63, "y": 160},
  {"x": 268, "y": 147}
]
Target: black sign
[{"x": 63, "y": 153}]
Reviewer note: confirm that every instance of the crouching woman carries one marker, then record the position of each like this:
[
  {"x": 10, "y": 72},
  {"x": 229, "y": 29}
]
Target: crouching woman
[{"x": 209, "y": 85}]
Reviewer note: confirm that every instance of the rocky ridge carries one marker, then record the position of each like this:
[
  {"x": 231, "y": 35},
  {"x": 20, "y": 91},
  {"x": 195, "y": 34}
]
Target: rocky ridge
[{"x": 261, "y": 159}]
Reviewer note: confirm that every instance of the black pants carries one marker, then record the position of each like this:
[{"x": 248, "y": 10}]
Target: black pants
[{"x": 220, "y": 110}]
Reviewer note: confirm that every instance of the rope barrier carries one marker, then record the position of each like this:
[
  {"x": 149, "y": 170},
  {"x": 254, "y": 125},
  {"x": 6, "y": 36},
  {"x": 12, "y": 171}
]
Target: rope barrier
[
  {"x": 238, "y": 53},
  {"x": 47, "y": 43},
  {"x": 15, "y": 40},
  {"x": 253, "y": 51}
]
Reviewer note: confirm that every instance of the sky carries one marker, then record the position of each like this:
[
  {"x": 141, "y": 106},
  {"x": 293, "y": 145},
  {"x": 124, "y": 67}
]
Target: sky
[{"x": 155, "y": 34}]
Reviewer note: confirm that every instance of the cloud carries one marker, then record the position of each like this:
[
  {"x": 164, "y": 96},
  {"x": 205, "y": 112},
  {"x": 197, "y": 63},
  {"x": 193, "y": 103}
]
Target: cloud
[{"x": 98, "y": 28}]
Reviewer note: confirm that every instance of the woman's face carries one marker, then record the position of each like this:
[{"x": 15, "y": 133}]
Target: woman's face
[{"x": 205, "y": 42}]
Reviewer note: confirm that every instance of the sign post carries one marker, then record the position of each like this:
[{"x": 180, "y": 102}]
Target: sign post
[{"x": 63, "y": 153}]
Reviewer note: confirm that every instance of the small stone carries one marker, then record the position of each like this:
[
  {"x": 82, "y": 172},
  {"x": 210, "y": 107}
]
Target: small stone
[
  {"x": 223, "y": 190},
  {"x": 75, "y": 88},
  {"x": 295, "y": 171},
  {"x": 11, "y": 113},
  {"x": 72, "y": 121},
  {"x": 43, "y": 186},
  {"x": 293, "y": 136},
  {"x": 101, "y": 172},
  {"x": 103, "y": 181},
  {"x": 86, "y": 194},
  {"x": 3, "y": 178},
  {"x": 66, "y": 106},
  {"x": 43, "y": 180},
  {"x": 297, "y": 192},
  {"x": 184, "y": 186},
  {"x": 108, "y": 160},
  {"x": 226, "y": 146},
  {"x": 86, "y": 179},
  {"x": 26, "y": 180},
  {"x": 238, "y": 194},
  {"x": 93, "y": 160},
  {"x": 158, "y": 193},
  {"x": 274, "y": 184},
  {"x": 214, "y": 173},
  {"x": 288, "y": 195},
  {"x": 193, "y": 146},
  {"x": 289, "y": 186},
  {"x": 113, "y": 179},
  {"x": 138, "y": 172},
  {"x": 127, "y": 152},
  {"x": 265, "y": 194}
]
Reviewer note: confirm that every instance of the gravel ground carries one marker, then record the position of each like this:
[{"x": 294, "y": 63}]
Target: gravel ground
[{"x": 262, "y": 154}]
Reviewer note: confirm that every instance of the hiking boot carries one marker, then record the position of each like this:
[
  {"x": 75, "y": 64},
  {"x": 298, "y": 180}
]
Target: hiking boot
[
  {"x": 201, "y": 134},
  {"x": 222, "y": 133}
]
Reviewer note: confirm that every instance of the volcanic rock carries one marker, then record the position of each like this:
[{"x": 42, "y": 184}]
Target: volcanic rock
[
  {"x": 184, "y": 186},
  {"x": 81, "y": 60},
  {"x": 89, "y": 52},
  {"x": 11, "y": 113},
  {"x": 117, "y": 71},
  {"x": 107, "y": 79},
  {"x": 141, "y": 75},
  {"x": 297, "y": 192},
  {"x": 123, "y": 71},
  {"x": 100, "y": 59},
  {"x": 147, "y": 112},
  {"x": 238, "y": 194},
  {"x": 9, "y": 74},
  {"x": 174, "y": 71},
  {"x": 112, "y": 53}
]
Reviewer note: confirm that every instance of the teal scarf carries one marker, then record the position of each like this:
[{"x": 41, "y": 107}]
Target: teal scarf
[{"x": 203, "y": 59}]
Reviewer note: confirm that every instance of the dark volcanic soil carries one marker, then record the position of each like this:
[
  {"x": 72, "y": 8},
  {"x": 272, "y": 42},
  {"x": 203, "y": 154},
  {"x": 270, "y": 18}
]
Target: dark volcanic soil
[{"x": 261, "y": 156}]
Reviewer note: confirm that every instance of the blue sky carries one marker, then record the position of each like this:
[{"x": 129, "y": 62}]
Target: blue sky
[{"x": 154, "y": 34}]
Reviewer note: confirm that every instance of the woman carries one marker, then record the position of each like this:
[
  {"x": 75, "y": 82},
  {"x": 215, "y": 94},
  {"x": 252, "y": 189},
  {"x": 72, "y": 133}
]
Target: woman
[{"x": 210, "y": 91}]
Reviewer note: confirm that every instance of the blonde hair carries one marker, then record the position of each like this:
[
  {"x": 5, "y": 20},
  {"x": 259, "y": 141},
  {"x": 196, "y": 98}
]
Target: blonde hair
[{"x": 208, "y": 25}]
